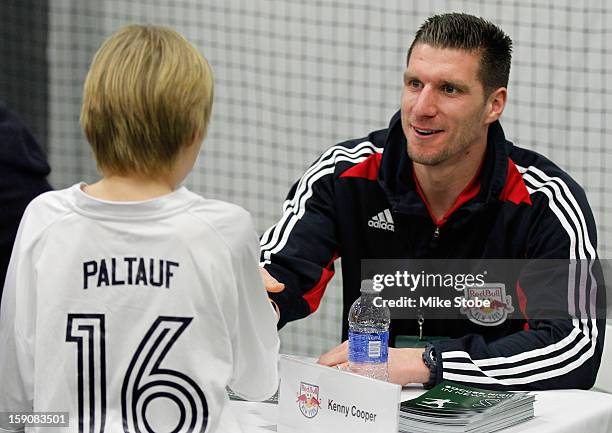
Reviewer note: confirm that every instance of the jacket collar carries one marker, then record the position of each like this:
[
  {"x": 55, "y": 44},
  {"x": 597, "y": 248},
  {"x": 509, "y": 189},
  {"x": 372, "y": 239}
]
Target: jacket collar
[{"x": 396, "y": 179}]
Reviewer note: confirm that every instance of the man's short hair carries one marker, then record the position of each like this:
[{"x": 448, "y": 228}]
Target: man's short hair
[
  {"x": 470, "y": 33},
  {"x": 148, "y": 93}
]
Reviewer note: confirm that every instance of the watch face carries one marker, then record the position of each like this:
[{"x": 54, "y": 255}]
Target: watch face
[{"x": 432, "y": 353}]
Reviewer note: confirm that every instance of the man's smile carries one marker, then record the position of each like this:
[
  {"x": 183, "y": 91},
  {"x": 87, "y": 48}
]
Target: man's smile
[{"x": 425, "y": 132}]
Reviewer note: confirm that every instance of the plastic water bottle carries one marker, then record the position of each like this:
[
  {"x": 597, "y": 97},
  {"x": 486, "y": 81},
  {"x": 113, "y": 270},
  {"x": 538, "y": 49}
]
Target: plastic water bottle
[{"x": 369, "y": 335}]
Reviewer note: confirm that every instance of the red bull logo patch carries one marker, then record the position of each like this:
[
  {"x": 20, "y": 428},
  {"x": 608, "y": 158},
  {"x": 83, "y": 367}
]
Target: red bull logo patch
[
  {"x": 308, "y": 399},
  {"x": 500, "y": 304}
]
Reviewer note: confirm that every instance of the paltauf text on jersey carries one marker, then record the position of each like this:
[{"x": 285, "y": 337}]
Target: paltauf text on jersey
[{"x": 137, "y": 271}]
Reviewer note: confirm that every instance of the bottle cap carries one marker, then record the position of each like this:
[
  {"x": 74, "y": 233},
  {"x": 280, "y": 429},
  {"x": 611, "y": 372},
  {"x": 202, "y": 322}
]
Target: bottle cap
[{"x": 367, "y": 287}]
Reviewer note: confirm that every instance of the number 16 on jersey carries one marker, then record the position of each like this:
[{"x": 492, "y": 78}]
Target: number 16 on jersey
[{"x": 145, "y": 380}]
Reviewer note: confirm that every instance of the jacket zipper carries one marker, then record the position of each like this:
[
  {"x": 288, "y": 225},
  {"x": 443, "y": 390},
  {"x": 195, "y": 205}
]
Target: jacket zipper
[
  {"x": 420, "y": 321},
  {"x": 434, "y": 240}
]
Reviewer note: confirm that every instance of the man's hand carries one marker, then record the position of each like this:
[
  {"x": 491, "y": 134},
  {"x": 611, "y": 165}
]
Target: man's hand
[
  {"x": 337, "y": 357},
  {"x": 405, "y": 365}
]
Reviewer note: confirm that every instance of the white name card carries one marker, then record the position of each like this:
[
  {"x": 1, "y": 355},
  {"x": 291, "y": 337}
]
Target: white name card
[{"x": 315, "y": 398}]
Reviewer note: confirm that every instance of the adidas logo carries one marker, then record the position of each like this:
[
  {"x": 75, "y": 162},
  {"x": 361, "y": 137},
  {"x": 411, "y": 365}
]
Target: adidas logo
[{"x": 382, "y": 221}]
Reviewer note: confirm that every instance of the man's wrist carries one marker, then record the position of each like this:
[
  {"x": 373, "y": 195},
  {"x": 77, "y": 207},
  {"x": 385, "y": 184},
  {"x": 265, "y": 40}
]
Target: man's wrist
[
  {"x": 406, "y": 366},
  {"x": 430, "y": 361}
]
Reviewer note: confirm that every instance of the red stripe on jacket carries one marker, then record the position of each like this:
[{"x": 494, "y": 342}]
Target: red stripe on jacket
[
  {"x": 515, "y": 189},
  {"x": 314, "y": 295},
  {"x": 366, "y": 169}
]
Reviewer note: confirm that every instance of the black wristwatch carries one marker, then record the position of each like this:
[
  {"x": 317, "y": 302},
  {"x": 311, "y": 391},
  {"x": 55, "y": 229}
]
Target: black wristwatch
[{"x": 429, "y": 358}]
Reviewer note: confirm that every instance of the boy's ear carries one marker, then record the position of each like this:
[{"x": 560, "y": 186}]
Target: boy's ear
[{"x": 196, "y": 138}]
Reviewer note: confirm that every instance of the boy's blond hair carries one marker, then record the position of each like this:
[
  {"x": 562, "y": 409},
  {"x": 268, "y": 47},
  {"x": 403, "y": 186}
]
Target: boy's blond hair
[{"x": 147, "y": 94}]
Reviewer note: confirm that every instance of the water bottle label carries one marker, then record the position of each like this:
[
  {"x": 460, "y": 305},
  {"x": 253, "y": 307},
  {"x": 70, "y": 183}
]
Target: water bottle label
[
  {"x": 365, "y": 347},
  {"x": 374, "y": 349}
]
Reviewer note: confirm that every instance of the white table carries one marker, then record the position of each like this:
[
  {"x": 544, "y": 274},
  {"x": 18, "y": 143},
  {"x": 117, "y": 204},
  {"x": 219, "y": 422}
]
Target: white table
[{"x": 564, "y": 411}]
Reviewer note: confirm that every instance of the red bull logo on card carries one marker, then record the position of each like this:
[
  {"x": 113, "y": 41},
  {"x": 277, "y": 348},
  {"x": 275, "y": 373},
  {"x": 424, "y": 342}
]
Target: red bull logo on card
[
  {"x": 308, "y": 399},
  {"x": 500, "y": 304}
]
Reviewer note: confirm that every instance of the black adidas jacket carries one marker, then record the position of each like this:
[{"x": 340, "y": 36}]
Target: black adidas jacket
[{"x": 359, "y": 201}]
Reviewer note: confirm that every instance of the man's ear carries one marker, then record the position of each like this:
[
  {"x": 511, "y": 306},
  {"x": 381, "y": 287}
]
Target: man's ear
[{"x": 496, "y": 102}]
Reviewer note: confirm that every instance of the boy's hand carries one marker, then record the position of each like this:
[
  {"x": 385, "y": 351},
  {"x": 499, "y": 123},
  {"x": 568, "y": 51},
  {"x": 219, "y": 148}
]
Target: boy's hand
[
  {"x": 272, "y": 286},
  {"x": 271, "y": 283}
]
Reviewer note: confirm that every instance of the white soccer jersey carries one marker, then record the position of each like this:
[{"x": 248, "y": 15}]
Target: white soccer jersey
[{"x": 134, "y": 316}]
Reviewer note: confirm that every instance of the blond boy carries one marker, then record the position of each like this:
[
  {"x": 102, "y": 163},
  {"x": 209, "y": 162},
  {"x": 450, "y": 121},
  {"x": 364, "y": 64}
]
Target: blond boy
[{"x": 131, "y": 303}]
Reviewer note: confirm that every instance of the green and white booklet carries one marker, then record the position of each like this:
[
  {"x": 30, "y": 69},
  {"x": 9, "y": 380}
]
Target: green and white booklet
[{"x": 453, "y": 407}]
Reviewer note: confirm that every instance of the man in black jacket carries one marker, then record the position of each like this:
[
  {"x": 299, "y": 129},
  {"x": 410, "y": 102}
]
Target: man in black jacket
[
  {"x": 442, "y": 182},
  {"x": 23, "y": 176}
]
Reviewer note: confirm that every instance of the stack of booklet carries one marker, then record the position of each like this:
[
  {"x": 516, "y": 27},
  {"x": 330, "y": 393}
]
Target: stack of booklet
[{"x": 452, "y": 407}]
